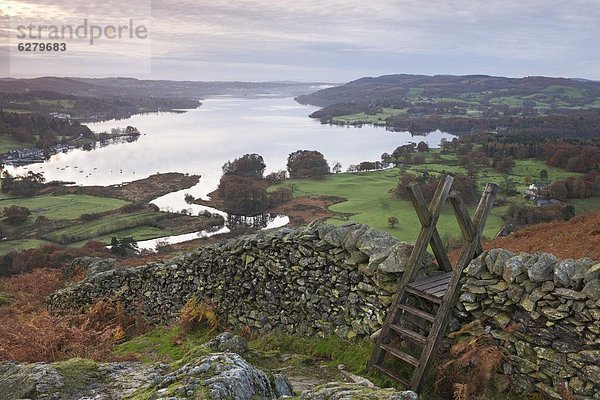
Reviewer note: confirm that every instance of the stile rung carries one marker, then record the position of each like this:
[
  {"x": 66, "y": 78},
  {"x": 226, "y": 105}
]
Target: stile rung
[
  {"x": 417, "y": 312},
  {"x": 392, "y": 375},
  {"x": 400, "y": 355},
  {"x": 407, "y": 333}
]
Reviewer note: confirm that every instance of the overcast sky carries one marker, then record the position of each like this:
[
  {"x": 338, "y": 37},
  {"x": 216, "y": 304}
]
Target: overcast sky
[{"x": 314, "y": 40}]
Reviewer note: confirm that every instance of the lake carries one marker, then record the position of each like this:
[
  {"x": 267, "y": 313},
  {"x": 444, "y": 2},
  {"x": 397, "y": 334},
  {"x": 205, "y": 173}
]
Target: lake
[{"x": 201, "y": 140}]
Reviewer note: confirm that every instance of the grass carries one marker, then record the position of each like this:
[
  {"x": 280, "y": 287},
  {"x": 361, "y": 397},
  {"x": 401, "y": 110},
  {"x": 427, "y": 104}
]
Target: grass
[
  {"x": 138, "y": 233},
  {"x": 77, "y": 373},
  {"x": 165, "y": 344},
  {"x": 375, "y": 119},
  {"x": 69, "y": 206},
  {"x": 21, "y": 244},
  {"x": 369, "y": 201},
  {"x": 104, "y": 226},
  {"x": 584, "y": 206},
  {"x": 7, "y": 143}
]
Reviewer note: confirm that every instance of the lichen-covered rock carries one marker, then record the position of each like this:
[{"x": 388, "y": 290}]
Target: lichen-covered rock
[
  {"x": 352, "y": 391},
  {"x": 73, "y": 380},
  {"x": 317, "y": 279},
  {"x": 222, "y": 376},
  {"x": 212, "y": 377},
  {"x": 90, "y": 266},
  {"x": 228, "y": 342}
]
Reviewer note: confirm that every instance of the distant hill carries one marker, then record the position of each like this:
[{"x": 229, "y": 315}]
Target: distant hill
[
  {"x": 537, "y": 105},
  {"x": 107, "y": 98},
  {"x": 405, "y": 86},
  {"x": 131, "y": 87}
]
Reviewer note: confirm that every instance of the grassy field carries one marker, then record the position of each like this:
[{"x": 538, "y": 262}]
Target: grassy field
[
  {"x": 369, "y": 201},
  {"x": 375, "y": 119},
  {"x": 104, "y": 226},
  {"x": 7, "y": 143},
  {"x": 23, "y": 244},
  {"x": 69, "y": 206},
  {"x": 583, "y": 206},
  {"x": 139, "y": 233}
]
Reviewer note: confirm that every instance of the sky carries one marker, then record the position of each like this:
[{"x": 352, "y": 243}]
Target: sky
[{"x": 309, "y": 40}]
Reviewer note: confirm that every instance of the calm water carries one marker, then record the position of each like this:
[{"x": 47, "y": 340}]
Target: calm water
[{"x": 223, "y": 128}]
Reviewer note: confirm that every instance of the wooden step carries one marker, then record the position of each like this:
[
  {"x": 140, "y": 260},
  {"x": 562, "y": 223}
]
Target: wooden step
[
  {"x": 391, "y": 374},
  {"x": 432, "y": 281},
  {"x": 401, "y": 355},
  {"x": 417, "y": 312},
  {"x": 407, "y": 333},
  {"x": 424, "y": 295}
]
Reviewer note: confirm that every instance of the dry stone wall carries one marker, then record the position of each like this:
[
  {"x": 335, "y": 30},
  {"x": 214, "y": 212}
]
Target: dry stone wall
[
  {"x": 319, "y": 279},
  {"x": 328, "y": 280},
  {"x": 544, "y": 312}
]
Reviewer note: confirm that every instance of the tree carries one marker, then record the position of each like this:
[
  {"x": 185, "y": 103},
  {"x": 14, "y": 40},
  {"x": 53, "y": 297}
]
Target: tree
[
  {"x": 392, "y": 221},
  {"x": 558, "y": 190},
  {"x": 422, "y": 147},
  {"x": 123, "y": 246},
  {"x": 505, "y": 165},
  {"x": 251, "y": 165},
  {"x": 16, "y": 214},
  {"x": 544, "y": 175},
  {"x": 243, "y": 195},
  {"x": 307, "y": 164},
  {"x": 337, "y": 168},
  {"x": 508, "y": 187}
]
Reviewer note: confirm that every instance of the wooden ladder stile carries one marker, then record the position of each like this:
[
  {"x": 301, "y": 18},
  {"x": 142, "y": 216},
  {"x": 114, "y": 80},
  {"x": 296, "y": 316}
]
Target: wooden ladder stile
[{"x": 440, "y": 290}]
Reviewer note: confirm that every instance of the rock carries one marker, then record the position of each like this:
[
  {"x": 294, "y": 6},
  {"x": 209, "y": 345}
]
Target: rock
[
  {"x": 592, "y": 289},
  {"x": 513, "y": 268},
  {"x": 398, "y": 258},
  {"x": 593, "y": 273},
  {"x": 228, "y": 342},
  {"x": 563, "y": 273},
  {"x": 282, "y": 386},
  {"x": 235, "y": 378},
  {"x": 90, "y": 266},
  {"x": 352, "y": 391},
  {"x": 542, "y": 269},
  {"x": 74, "y": 379}
]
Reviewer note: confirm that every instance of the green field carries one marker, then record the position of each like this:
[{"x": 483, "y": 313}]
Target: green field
[
  {"x": 7, "y": 143},
  {"x": 69, "y": 206},
  {"x": 583, "y": 206},
  {"x": 375, "y": 119},
  {"x": 369, "y": 201},
  {"x": 23, "y": 244},
  {"x": 104, "y": 226}
]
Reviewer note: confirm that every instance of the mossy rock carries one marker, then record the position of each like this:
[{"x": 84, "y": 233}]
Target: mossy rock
[{"x": 78, "y": 373}]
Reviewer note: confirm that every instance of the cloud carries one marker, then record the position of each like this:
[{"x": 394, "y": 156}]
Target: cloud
[{"x": 342, "y": 40}]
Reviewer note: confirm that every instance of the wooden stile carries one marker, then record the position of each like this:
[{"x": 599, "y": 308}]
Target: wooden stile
[{"x": 439, "y": 291}]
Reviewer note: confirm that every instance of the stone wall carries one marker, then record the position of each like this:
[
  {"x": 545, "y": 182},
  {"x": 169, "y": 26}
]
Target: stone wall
[
  {"x": 544, "y": 312},
  {"x": 317, "y": 279},
  {"x": 326, "y": 280}
]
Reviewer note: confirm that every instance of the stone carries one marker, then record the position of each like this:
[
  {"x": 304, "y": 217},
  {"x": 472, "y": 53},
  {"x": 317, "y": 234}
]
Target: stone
[
  {"x": 548, "y": 391},
  {"x": 350, "y": 391},
  {"x": 542, "y": 269},
  {"x": 513, "y": 268},
  {"x": 592, "y": 289},
  {"x": 228, "y": 342},
  {"x": 593, "y": 273},
  {"x": 592, "y": 373},
  {"x": 563, "y": 273},
  {"x": 569, "y": 294}
]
